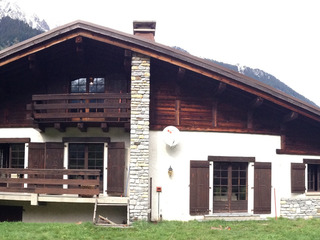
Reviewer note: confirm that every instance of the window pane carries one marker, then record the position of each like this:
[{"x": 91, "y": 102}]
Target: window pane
[
  {"x": 78, "y": 85},
  {"x": 97, "y": 86},
  {"x": 17, "y": 155},
  {"x": 76, "y": 156}
]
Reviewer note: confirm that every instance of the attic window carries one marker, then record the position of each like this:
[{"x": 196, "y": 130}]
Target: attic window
[{"x": 88, "y": 85}]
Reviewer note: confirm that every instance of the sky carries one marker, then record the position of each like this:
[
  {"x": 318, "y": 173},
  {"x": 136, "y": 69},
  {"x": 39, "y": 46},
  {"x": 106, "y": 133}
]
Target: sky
[{"x": 281, "y": 37}]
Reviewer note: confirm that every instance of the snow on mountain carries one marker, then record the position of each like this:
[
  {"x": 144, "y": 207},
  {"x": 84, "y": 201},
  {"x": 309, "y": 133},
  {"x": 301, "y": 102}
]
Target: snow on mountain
[{"x": 12, "y": 10}]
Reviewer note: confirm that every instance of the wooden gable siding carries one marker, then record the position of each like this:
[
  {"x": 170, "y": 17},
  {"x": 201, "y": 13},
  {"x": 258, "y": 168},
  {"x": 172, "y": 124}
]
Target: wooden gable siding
[
  {"x": 50, "y": 71},
  {"x": 195, "y": 102},
  {"x": 299, "y": 137}
]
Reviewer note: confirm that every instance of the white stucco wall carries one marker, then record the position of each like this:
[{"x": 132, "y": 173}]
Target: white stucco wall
[{"x": 174, "y": 198}]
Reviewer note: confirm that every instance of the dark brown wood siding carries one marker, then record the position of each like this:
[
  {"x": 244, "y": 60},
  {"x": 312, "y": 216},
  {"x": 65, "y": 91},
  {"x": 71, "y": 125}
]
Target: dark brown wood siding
[
  {"x": 262, "y": 188},
  {"x": 300, "y": 138},
  {"x": 194, "y": 102},
  {"x": 116, "y": 166},
  {"x": 199, "y": 187},
  {"x": 298, "y": 177}
]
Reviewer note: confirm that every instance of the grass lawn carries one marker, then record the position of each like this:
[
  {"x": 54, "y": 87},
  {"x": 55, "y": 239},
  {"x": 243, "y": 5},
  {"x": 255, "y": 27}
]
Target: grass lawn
[{"x": 271, "y": 229}]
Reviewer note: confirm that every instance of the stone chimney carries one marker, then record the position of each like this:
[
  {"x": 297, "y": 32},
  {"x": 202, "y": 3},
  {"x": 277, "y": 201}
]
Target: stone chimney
[{"x": 145, "y": 29}]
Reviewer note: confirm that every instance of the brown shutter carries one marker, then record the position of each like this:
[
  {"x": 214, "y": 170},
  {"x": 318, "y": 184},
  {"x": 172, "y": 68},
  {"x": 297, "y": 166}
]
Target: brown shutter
[
  {"x": 298, "y": 177},
  {"x": 54, "y": 159},
  {"x": 116, "y": 164},
  {"x": 36, "y": 155},
  {"x": 54, "y": 155},
  {"x": 262, "y": 188},
  {"x": 199, "y": 187}
]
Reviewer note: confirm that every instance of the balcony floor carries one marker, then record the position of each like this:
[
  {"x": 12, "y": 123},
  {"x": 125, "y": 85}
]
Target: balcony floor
[{"x": 66, "y": 198}]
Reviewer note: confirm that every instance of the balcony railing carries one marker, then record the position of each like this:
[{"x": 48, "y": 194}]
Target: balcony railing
[
  {"x": 50, "y": 181},
  {"x": 80, "y": 107}
]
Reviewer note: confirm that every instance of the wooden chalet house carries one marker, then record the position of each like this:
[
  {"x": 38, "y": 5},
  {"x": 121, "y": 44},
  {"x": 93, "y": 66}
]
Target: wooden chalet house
[{"x": 82, "y": 114}]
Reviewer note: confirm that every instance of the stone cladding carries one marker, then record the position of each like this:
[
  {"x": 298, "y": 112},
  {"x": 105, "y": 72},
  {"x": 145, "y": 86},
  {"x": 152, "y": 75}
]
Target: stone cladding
[
  {"x": 139, "y": 138},
  {"x": 300, "y": 208}
]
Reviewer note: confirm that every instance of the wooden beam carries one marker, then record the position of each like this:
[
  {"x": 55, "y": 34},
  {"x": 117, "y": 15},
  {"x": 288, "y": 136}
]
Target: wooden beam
[
  {"x": 82, "y": 127},
  {"x": 59, "y": 127},
  {"x": 104, "y": 127},
  {"x": 290, "y": 117},
  {"x": 127, "y": 126},
  {"x": 257, "y": 102},
  {"x": 32, "y": 62},
  {"x": 214, "y": 113},
  {"x": 181, "y": 74},
  {"x": 250, "y": 119},
  {"x": 219, "y": 89},
  {"x": 177, "y": 112},
  {"x": 127, "y": 60},
  {"x": 79, "y": 44}
]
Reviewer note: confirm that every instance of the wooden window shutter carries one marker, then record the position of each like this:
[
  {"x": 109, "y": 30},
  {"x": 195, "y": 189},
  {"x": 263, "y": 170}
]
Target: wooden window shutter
[
  {"x": 54, "y": 155},
  {"x": 262, "y": 188},
  {"x": 199, "y": 187},
  {"x": 298, "y": 177},
  {"x": 36, "y": 155},
  {"x": 116, "y": 166}
]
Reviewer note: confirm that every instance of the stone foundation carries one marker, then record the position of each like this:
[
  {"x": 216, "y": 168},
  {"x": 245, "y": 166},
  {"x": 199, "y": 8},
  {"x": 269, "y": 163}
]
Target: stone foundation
[
  {"x": 300, "y": 208},
  {"x": 139, "y": 138}
]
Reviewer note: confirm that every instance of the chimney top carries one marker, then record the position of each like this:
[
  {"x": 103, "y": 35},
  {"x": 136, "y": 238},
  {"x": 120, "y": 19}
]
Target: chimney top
[{"x": 146, "y": 29}]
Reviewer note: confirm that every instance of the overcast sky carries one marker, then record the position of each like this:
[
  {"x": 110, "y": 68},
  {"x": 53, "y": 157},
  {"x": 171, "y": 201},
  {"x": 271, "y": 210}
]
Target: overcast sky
[{"x": 281, "y": 37}]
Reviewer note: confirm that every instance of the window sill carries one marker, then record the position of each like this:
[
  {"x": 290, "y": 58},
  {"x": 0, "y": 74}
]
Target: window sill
[{"x": 313, "y": 194}]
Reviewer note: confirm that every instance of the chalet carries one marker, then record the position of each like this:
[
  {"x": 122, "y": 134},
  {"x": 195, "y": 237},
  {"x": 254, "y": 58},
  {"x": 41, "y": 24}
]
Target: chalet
[{"x": 98, "y": 122}]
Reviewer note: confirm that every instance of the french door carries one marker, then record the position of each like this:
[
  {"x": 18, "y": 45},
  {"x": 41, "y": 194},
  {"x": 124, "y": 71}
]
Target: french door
[
  {"x": 87, "y": 156},
  {"x": 230, "y": 187}
]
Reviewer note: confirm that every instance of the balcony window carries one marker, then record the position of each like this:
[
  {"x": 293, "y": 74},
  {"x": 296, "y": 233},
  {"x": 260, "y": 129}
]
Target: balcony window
[{"x": 88, "y": 85}]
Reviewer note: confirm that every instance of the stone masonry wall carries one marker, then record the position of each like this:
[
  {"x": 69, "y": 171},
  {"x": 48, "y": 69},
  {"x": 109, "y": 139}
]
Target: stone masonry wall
[
  {"x": 300, "y": 208},
  {"x": 139, "y": 138}
]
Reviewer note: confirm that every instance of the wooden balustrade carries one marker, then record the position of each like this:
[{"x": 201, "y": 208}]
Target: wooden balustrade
[
  {"x": 84, "y": 107},
  {"x": 50, "y": 181}
]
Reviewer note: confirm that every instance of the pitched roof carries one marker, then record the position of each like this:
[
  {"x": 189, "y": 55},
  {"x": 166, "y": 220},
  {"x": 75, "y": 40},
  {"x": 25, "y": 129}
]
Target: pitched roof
[{"x": 158, "y": 51}]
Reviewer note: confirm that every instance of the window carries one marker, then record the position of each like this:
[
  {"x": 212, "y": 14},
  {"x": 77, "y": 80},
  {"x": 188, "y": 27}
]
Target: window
[
  {"x": 86, "y": 156},
  {"x": 12, "y": 155},
  {"x": 313, "y": 177},
  {"x": 88, "y": 85},
  {"x": 298, "y": 171},
  {"x": 229, "y": 181}
]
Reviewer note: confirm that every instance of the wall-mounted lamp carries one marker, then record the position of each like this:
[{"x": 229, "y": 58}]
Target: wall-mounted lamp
[
  {"x": 91, "y": 80},
  {"x": 170, "y": 171}
]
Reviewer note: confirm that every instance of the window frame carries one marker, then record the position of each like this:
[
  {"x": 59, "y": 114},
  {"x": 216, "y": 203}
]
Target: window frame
[
  {"x": 7, "y": 155},
  {"x": 313, "y": 169},
  {"x": 87, "y": 85}
]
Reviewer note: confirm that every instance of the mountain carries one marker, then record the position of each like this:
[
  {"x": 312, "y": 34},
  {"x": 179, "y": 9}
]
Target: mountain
[
  {"x": 12, "y": 10},
  {"x": 16, "y": 25},
  {"x": 13, "y": 31},
  {"x": 261, "y": 76}
]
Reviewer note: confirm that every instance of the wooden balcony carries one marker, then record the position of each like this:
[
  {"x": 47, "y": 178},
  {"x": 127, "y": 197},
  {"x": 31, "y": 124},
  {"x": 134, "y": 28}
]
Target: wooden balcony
[
  {"x": 50, "y": 181},
  {"x": 80, "y": 109}
]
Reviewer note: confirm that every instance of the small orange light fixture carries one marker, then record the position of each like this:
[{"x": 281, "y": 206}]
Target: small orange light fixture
[{"x": 170, "y": 171}]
